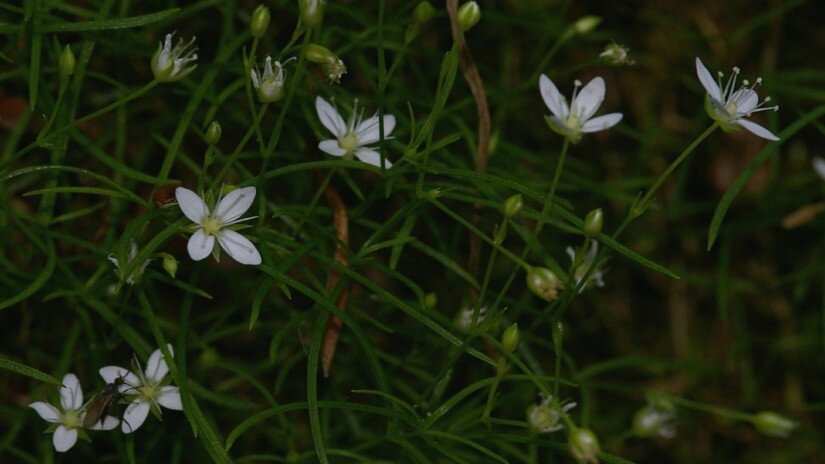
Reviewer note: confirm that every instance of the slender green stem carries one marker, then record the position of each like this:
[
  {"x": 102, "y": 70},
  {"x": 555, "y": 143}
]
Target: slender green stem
[
  {"x": 548, "y": 202},
  {"x": 61, "y": 91}
]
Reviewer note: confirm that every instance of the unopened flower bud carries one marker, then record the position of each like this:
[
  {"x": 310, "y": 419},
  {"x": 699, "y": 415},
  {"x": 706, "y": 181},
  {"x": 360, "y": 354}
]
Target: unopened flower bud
[
  {"x": 213, "y": 133},
  {"x": 593, "y": 223},
  {"x": 616, "y": 54},
  {"x": 312, "y": 11},
  {"x": 430, "y": 300},
  {"x": 773, "y": 424},
  {"x": 467, "y": 16},
  {"x": 170, "y": 264},
  {"x": 543, "y": 282},
  {"x": 512, "y": 206},
  {"x": 423, "y": 12},
  {"x": 67, "y": 62},
  {"x": 584, "y": 446},
  {"x": 586, "y": 24},
  {"x": 510, "y": 338},
  {"x": 260, "y": 21}
]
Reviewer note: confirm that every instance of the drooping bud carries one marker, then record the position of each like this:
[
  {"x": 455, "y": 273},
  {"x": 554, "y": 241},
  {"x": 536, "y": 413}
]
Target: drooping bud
[
  {"x": 260, "y": 21},
  {"x": 544, "y": 283},
  {"x": 510, "y": 338},
  {"x": 512, "y": 206},
  {"x": 312, "y": 11},
  {"x": 67, "y": 63},
  {"x": 773, "y": 424},
  {"x": 467, "y": 16},
  {"x": 593, "y": 223},
  {"x": 423, "y": 12},
  {"x": 213, "y": 133},
  {"x": 170, "y": 264},
  {"x": 584, "y": 446},
  {"x": 586, "y": 24}
]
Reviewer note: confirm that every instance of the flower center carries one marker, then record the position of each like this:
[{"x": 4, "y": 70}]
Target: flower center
[
  {"x": 212, "y": 225},
  {"x": 70, "y": 419},
  {"x": 348, "y": 142},
  {"x": 150, "y": 392}
]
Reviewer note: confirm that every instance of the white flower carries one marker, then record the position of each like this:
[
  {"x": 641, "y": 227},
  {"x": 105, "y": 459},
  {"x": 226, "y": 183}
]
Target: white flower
[
  {"x": 70, "y": 416},
  {"x": 214, "y": 224},
  {"x": 270, "y": 84},
  {"x": 653, "y": 420},
  {"x": 169, "y": 63},
  {"x": 577, "y": 118},
  {"x": 582, "y": 266},
  {"x": 353, "y": 137},
  {"x": 464, "y": 318},
  {"x": 146, "y": 390},
  {"x": 729, "y": 106},
  {"x": 819, "y": 167},
  {"x": 546, "y": 416},
  {"x": 137, "y": 273}
]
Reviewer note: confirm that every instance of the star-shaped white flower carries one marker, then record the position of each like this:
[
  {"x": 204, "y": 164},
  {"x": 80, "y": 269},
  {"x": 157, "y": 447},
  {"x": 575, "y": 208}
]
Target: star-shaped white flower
[
  {"x": 270, "y": 84},
  {"x": 352, "y": 138},
  {"x": 573, "y": 120},
  {"x": 729, "y": 106},
  {"x": 546, "y": 416},
  {"x": 70, "y": 417},
  {"x": 170, "y": 63},
  {"x": 819, "y": 167},
  {"x": 215, "y": 224},
  {"x": 146, "y": 390},
  {"x": 582, "y": 265},
  {"x": 137, "y": 273}
]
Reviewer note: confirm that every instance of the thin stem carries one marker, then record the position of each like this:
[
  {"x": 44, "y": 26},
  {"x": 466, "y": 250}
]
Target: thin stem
[{"x": 548, "y": 202}]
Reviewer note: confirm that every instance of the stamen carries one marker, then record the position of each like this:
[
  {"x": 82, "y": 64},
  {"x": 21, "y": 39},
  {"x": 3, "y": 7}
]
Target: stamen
[{"x": 576, "y": 86}]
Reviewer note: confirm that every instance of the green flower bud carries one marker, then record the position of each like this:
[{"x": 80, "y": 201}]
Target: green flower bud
[
  {"x": 67, "y": 62},
  {"x": 318, "y": 54},
  {"x": 312, "y": 11},
  {"x": 544, "y": 283},
  {"x": 593, "y": 223},
  {"x": 423, "y": 12},
  {"x": 209, "y": 358},
  {"x": 773, "y": 424},
  {"x": 512, "y": 206},
  {"x": 213, "y": 133},
  {"x": 260, "y": 21},
  {"x": 510, "y": 338},
  {"x": 430, "y": 300},
  {"x": 584, "y": 446},
  {"x": 170, "y": 264},
  {"x": 467, "y": 16},
  {"x": 586, "y": 24}
]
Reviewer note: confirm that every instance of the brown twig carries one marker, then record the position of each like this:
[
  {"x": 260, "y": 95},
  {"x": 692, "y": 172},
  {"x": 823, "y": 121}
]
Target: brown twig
[
  {"x": 341, "y": 224},
  {"x": 473, "y": 78}
]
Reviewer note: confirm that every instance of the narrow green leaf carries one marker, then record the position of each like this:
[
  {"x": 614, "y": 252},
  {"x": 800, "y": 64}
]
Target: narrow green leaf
[
  {"x": 23, "y": 369},
  {"x": 110, "y": 24}
]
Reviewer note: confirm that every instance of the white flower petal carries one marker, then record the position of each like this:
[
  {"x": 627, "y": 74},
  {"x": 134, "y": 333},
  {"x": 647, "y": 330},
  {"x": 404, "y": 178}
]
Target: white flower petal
[
  {"x": 746, "y": 100},
  {"x": 602, "y": 122},
  {"x": 372, "y": 157},
  {"x": 589, "y": 99},
  {"x": 48, "y": 412},
  {"x": 64, "y": 438},
  {"x": 819, "y": 167},
  {"x": 330, "y": 118},
  {"x": 239, "y": 247},
  {"x": 170, "y": 398},
  {"x": 71, "y": 395},
  {"x": 234, "y": 204},
  {"x": 114, "y": 261},
  {"x": 331, "y": 147},
  {"x": 191, "y": 205},
  {"x": 111, "y": 373},
  {"x": 108, "y": 423},
  {"x": 200, "y": 245},
  {"x": 156, "y": 367},
  {"x": 707, "y": 80},
  {"x": 368, "y": 130},
  {"x": 552, "y": 98},
  {"x": 756, "y": 129},
  {"x": 134, "y": 416}
]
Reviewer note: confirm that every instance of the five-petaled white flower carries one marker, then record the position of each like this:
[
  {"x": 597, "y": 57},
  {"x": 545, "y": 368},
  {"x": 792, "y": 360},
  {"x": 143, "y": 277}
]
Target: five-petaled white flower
[
  {"x": 137, "y": 273},
  {"x": 270, "y": 84},
  {"x": 169, "y": 63},
  {"x": 581, "y": 266},
  {"x": 353, "y": 137},
  {"x": 577, "y": 118},
  {"x": 729, "y": 106},
  {"x": 69, "y": 420},
  {"x": 146, "y": 390},
  {"x": 546, "y": 416},
  {"x": 819, "y": 167},
  {"x": 216, "y": 224}
]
